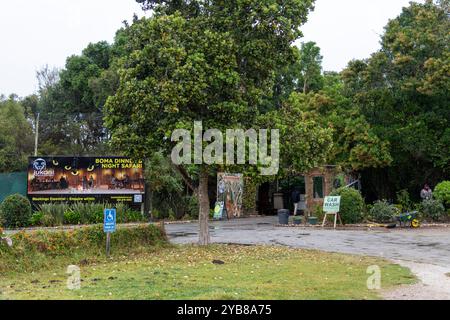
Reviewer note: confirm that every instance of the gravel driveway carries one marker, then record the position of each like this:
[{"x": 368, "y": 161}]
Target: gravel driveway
[{"x": 425, "y": 251}]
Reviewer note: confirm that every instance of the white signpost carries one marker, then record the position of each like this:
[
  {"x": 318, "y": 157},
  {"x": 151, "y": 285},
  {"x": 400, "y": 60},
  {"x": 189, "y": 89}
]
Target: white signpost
[{"x": 332, "y": 206}]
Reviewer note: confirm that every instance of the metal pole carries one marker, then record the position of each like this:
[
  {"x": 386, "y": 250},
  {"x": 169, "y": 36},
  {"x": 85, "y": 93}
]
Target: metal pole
[
  {"x": 36, "y": 138},
  {"x": 108, "y": 244}
]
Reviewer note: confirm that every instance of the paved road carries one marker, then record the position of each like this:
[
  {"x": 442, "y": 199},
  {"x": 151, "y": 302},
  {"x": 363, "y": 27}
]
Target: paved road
[{"x": 430, "y": 246}]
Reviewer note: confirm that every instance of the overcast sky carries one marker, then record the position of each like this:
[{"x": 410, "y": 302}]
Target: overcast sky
[{"x": 39, "y": 32}]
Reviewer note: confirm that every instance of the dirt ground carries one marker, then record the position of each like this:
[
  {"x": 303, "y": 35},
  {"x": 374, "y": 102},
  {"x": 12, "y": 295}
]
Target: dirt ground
[{"x": 434, "y": 283}]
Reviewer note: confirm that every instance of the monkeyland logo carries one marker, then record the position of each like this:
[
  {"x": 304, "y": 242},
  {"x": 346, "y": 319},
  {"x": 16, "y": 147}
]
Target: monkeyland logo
[{"x": 40, "y": 168}]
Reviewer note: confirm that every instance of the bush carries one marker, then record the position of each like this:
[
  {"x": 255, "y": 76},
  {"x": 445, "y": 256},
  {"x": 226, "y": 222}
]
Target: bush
[
  {"x": 442, "y": 193},
  {"x": 352, "y": 205},
  {"x": 186, "y": 206},
  {"x": 192, "y": 206},
  {"x": 318, "y": 212},
  {"x": 15, "y": 211},
  {"x": 125, "y": 214},
  {"x": 53, "y": 213},
  {"x": 382, "y": 211},
  {"x": 31, "y": 250},
  {"x": 48, "y": 220},
  {"x": 433, "y": 209},
  {"x": 249, "y": 196},
  {"x": 72, "y": 217},
  {"x": 36, "y": 219},
  {"x": 90, "y": 213},
  {"x": 404, "y": 200},
  {"x": 58, "y": 214},
  {"x": 156, "y": 214}
]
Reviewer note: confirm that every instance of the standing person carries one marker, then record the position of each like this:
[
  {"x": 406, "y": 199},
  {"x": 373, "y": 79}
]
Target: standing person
[
  {"x": 84, "y": 183},
  {"x": 91, "y": 182},
  {"x": 114, "y": 182},
  {"x": 426, "y": 193},
  {"x": 296, "y": 200}
]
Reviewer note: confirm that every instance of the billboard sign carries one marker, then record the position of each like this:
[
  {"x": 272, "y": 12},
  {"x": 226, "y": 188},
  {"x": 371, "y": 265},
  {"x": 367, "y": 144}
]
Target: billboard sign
[
  {"x": 230, "y": 190},
  {"x": 85, "y": 179}
]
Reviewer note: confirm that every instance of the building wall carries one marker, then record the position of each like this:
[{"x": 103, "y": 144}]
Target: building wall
[{"x": 328, "y": 173}]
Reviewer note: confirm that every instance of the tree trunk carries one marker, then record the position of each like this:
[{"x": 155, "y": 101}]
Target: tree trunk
[{"x": 203, "y": 217}]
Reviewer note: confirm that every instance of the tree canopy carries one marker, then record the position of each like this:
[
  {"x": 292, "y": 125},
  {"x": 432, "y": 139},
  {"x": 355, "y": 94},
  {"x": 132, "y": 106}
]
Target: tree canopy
[
  {"x": 403, "y": 91},
  {"x": 212, "y": 61},
  {"x": 16, "y": 141},
  {"x": 233, "y": 64}
]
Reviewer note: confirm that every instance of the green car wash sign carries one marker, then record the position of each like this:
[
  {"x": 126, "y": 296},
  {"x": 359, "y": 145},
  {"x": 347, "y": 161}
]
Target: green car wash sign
[{"x": 332, "y": 204}]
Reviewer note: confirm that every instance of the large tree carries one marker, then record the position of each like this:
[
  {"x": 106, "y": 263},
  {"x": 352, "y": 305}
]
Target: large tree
[
  {"x": 71, "y": 102},
  {"x": 303, "y": 73},
  {"x": 16, "y": 137},
  {"x": 403, "y": 91},
  {"x": 210, "y": 61}
]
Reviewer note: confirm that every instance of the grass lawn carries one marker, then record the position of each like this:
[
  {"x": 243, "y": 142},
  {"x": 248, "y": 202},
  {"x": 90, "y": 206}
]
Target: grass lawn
[{"x": 188, "y": 272}]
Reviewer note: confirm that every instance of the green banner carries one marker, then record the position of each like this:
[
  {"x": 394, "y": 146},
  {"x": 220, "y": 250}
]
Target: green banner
[{"x": 12, "y": 183}]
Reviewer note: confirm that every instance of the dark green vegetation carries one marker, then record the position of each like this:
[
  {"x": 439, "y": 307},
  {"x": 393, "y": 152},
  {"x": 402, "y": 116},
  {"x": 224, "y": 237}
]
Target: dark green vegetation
[
  {"x": 148, "y": 269},
  {"x": 382, "y": 212},
  {"x": 51, "y": 215},
  {"x": 433, "y": 210},
  {"x": 15, "y": 211},
  {"x": 352, "y": 205},
  {"x": 16, "y": 141},
  {"x": 385, "y": 117},
  {"x": 442, "y": 192},
  {"x": 403, "y": 92}
]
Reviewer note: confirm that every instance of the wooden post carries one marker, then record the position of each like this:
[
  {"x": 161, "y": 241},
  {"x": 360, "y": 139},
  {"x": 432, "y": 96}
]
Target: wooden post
[
  {"x": 335, "y": 220},
  {"x": 336, "y": 216},
  {"x": 324, "y": 220},
  {"x": 108, "y": 244}
]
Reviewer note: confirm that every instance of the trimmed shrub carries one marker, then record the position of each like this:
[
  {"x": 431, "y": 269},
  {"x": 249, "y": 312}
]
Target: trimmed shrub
[
  {"x": 442, "y": 193},
  {"x": 382, "y": 211},
  {"x": 352, "y": 205},
  {"x": 433, "y": 210},
  {"x": 15, "y": 211}
]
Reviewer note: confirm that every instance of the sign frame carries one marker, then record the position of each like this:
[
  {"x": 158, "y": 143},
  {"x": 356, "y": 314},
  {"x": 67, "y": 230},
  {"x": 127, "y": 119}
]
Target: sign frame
[
  {"x": 332, "y": 207},
  {"x": 332, "y": 204}
]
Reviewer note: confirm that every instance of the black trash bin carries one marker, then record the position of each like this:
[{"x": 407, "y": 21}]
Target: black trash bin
[{"x": 283, "y": 216}]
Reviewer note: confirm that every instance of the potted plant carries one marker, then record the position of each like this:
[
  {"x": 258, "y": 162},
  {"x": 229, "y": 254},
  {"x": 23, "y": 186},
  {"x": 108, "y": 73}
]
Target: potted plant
[
  {"x": 316, "y": 215},
  {"x": 313, "y": 220},
  {"x": 298, "y": 220}
]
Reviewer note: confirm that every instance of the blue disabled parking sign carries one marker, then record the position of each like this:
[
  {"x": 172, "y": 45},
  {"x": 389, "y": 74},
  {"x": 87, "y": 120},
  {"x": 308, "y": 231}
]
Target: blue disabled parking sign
[{"x": 109, "y": 224}]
